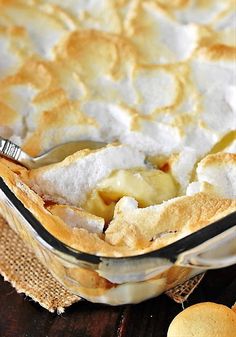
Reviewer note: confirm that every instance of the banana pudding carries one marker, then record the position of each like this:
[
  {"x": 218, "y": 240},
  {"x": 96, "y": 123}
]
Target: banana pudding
[{"x": 153, "y": 79}]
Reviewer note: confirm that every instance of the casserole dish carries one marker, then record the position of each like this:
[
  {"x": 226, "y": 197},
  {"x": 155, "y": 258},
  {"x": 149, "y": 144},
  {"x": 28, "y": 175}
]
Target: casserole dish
[
  {"x": 121, "y": 280},
  {"x": 157, "y": 80}
]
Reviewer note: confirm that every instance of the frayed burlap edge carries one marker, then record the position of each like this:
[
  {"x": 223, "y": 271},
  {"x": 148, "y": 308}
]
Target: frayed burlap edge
[
  {"x": 20, "y": 267},
  {"x": 181, "y": 292},
  {"x": 27, "y": 275}
]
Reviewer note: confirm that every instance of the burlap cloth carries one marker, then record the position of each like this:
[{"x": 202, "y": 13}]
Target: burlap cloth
[{"x": 20, "y": 267}]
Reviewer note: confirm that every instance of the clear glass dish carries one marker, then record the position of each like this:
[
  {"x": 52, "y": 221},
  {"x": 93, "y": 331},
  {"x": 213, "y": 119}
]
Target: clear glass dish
[{"x": 125, "y": 279}]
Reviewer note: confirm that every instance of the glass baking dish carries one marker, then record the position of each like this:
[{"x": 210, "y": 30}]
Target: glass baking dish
[{"x": 121, "y": 280}]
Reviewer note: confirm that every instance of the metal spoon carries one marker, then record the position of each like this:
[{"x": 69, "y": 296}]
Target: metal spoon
[{"x": 54, "y": 155}]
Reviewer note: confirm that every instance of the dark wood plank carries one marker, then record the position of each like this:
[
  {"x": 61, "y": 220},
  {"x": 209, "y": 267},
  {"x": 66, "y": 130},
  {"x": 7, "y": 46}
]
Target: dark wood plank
[{"x": 20, "y": 317}]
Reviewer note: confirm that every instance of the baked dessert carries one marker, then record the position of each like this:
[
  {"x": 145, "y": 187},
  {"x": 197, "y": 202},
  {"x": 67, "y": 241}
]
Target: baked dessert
[
  {"x": 158, "y": 78},
  {"x": 155, "y": 80}
]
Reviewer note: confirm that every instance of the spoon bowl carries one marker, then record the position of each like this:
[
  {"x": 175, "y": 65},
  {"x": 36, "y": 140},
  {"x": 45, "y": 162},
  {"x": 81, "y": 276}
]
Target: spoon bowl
[{"x": 54, "y": 155}]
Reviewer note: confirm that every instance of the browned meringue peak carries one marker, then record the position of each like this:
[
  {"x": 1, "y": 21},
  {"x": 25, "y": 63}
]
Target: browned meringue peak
[
  {"x": 40, "y": 106},
  {"x": 95, "y": 53},
  {"x": 44, "y": 30},
  {"x": 91, "y": 14},
  {"x": 62, "y": 123},
  {"x": 200, "y": 11},
  {"x": 147, "y": 23},
  {"x": 216, "y": 175},
  {"x": 158, "y": 38}
]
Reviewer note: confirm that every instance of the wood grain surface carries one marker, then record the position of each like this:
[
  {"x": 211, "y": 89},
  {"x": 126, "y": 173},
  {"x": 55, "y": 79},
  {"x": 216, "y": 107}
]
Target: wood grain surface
[{"x": 21, "y": 317}]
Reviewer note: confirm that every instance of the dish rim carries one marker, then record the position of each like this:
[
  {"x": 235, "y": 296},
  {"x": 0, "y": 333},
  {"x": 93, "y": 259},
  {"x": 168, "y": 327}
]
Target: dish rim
[{"x": 170, "y": 252}]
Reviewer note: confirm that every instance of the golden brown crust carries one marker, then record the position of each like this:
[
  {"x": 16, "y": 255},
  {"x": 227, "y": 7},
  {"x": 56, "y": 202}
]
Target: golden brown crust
[
  {"x": 205, "y": 319},
  {"x": 194, "y": 212},
  {"x": 67, "y": 74},
  {"x": 218, "y": 52},
  {"x": 220, "y": 158},
  {"x": 175, "y": 4},
  {"x": 178, "y": 217}
]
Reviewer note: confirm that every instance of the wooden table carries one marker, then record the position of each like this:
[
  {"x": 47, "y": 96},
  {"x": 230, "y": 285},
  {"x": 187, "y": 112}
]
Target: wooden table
[{"x": 21, "y": 317}]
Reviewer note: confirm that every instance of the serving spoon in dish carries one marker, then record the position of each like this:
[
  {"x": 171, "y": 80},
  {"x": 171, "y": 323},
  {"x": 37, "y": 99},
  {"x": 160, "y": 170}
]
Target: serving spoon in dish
[{"x": 54, "y": 155}]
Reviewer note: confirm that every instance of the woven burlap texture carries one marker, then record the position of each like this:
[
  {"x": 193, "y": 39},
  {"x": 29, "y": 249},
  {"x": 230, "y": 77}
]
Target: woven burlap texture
[
  {"x": 181, "y": 292},
  {"x": 27, "y": 275},
  {"x": 20, "y": 267}
]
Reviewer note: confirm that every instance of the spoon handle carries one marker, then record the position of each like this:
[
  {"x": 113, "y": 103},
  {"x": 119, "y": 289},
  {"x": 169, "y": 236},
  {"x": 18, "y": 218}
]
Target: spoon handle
[
  {"x": 9, "y": 149},
  {"x": 13, "y": 151}
]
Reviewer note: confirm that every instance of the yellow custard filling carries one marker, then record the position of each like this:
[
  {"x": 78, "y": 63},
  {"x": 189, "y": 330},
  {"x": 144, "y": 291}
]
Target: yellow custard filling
[{"x": 148, "y": 187}]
